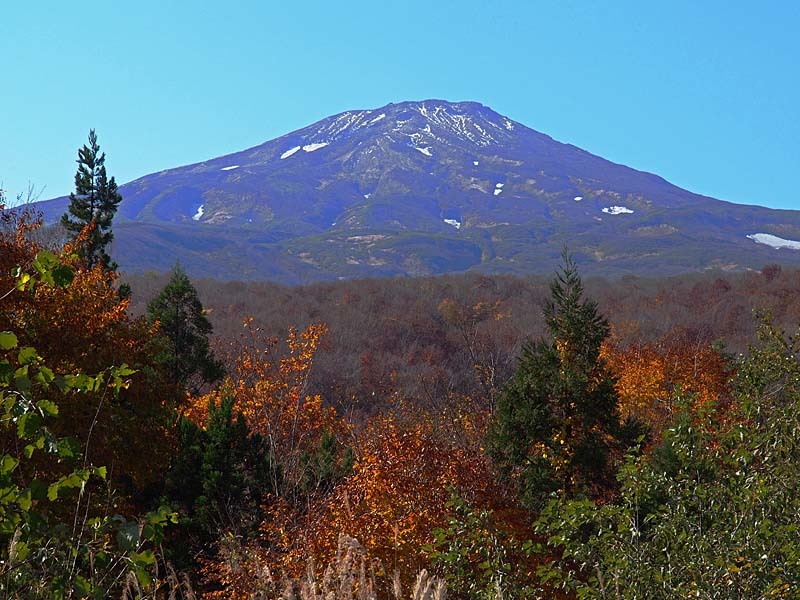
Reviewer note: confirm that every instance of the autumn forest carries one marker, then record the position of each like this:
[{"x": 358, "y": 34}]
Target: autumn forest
[{"x": 462, "y": 436}]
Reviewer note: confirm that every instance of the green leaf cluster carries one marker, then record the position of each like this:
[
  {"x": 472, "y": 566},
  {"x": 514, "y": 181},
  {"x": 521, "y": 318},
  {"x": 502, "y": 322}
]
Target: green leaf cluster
[
  {"x": 476, "y": 559},
  {"x": 49, "y": 270}
]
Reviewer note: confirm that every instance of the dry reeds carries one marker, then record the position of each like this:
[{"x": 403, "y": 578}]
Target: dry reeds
[{"x": 351, "y": 576}]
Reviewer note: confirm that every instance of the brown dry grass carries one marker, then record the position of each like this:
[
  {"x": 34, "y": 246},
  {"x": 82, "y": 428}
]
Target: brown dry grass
[{"x": 352, "y": 576}]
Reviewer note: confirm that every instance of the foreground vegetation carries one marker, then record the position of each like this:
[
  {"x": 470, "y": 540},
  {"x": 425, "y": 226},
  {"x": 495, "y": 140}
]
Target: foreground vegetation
[{"x": 476, "y": 446}]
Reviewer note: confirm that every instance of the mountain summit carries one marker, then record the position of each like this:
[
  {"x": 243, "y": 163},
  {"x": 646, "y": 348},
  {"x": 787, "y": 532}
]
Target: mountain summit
[{"x": 429, "y": 187}]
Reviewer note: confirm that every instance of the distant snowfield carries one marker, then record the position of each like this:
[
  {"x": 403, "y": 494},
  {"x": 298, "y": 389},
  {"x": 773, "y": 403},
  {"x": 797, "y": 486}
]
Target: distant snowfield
[
  {"x": 617, "y": 210},
  {"x": 231, "y": 168},
  {"x": 578, "y": 198},
  {"x": 289, "y": 152},
  {"x": 314, "y": 146},
  {"x": 306, "y": 148},
  {"x": 426, "y": 151},
  {"x": 198, "y": 214},
  {"x": 454, "y": 223},
  {"x": 773, "y": 240}
]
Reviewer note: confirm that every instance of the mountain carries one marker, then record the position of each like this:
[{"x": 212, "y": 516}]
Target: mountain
[{"x": 429, "y": 187}]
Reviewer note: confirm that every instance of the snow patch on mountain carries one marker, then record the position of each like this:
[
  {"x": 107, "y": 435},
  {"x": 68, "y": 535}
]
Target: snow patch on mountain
[
  {"x": 306, "y": 148},
  {"x": 774, "y": 241},
  {"x": 498, "y": 191},
  {"x": 578, "y": 198},
  {"x": 454, "y": 223},
  {"x": 231, "y": 168},
  {"x": 289, "y": 152},
  {"x": 475, "y": 162},
  {"x": 426, "y": 150},
  {"x": 314, "y": 146},
  {"x": 617, "y": 210},
  {"x": 198, "y": 214}
]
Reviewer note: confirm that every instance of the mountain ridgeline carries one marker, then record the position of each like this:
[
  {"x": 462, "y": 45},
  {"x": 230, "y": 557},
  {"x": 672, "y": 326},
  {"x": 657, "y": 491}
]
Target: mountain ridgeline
[{"x": 422, "y": 188}]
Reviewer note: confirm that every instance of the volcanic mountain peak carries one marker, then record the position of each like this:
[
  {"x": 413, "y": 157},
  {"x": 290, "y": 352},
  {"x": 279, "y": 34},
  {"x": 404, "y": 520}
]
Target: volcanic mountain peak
[
  {"x": 467, "y": 121},
  {"x": 428, "y": 187},
  {"x": 418, "y": 125}
]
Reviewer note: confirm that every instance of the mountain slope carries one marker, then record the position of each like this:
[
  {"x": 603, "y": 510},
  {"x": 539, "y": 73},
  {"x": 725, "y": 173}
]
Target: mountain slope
[{"x": 428, "y": 187}]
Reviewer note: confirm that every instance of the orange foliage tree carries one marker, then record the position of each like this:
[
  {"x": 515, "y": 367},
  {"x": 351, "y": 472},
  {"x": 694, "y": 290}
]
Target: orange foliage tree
[
  {"x": 85, "y": 328},
  {"x": 397, "y": 494},
  {"x": 267, "y": 382},
  {"x": 649, "y": 376},
  {"x": 270, "y": 390},
  {"x": 405, "y": 472}
]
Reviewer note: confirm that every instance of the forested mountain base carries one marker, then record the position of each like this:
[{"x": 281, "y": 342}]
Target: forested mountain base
[{"x": 421, "y": 338}]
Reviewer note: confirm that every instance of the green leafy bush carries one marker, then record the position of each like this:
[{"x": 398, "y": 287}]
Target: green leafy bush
[
  {"x": 714, "y": 514},
  {"x": 57, "y": 537}
]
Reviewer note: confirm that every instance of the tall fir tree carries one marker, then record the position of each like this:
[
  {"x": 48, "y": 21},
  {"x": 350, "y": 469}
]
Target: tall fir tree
[
  {"x": 94, "y": 201},
  {"x": 556, "y": 422},
  {"x": 185, "y": 351}
]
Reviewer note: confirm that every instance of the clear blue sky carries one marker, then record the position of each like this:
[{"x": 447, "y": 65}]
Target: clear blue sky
[{"x": 706, "y": 94}]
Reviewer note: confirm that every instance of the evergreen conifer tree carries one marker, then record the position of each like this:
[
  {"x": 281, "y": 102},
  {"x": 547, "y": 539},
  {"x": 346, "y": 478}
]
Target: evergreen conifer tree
[
  {"x": 94, "y": 201},
  {"x": 180, "y": 314},
  {"x": 556, "y": 421},
  {"x": 220, "y": 474},
  {"x": 219, "y": 477}
]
